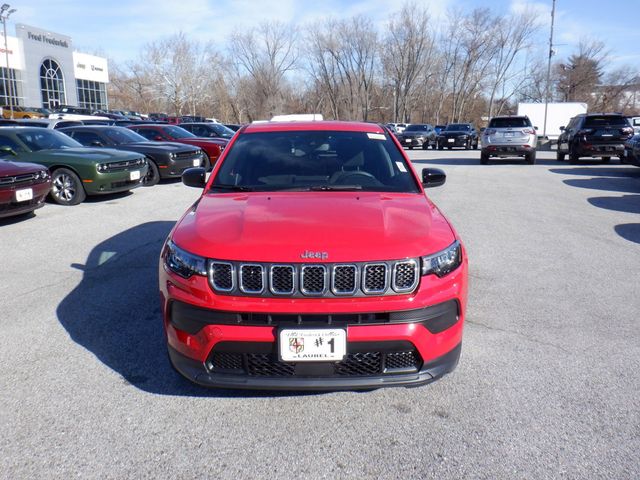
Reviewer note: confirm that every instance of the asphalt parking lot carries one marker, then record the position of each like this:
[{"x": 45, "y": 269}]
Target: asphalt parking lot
[{"x": 547, "y": 386}]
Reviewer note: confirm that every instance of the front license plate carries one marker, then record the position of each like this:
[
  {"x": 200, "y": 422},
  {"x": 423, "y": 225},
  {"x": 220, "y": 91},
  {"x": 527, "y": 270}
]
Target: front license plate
[
  {"x": 626, "y": 153},
  {"x": 451, "y": 140},
  {"x": 134, "y": 175},
  {"x": 24, "y": 195},
  {"x": 407, "y": 140},
  {"x": 196, "y": 163},
  {"x": 322, "y": 345}
]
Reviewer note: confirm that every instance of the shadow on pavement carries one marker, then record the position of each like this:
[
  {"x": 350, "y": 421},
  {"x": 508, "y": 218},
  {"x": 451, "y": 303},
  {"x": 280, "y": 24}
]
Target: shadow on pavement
[
  {"x": 629, "y": 231},
  {"x": 115, "y": 313},
  {"x": 610, "y": 184},
  {"x": 626, "y": 203},
  {"x": 600, "y": 171},
  {"x": 611, "y": 179},
  {"x": 476, "y": 161}
]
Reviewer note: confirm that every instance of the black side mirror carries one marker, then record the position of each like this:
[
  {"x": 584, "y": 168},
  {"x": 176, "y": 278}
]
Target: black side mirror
[
  {"x": 7, "y": 151},
  {"x": 194, "y": 177},
  {"x": 562, "y": 128},
  {"x": 433, "y": 177}
]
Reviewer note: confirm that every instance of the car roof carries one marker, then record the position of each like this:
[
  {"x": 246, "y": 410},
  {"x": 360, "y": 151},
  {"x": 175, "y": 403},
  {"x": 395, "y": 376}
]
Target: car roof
[
  {"x": 20, "y": 128},
  {"x": 324, "y": 125},
  {"x": 90, "y": 127}
]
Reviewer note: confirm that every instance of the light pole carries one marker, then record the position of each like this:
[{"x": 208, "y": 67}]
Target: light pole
[
  {"x": 546, "y": 93},
  {"x": 5, "y": 11}
]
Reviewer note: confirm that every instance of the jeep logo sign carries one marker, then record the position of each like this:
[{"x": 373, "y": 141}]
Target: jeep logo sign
[{"x": 308, "y": 254}]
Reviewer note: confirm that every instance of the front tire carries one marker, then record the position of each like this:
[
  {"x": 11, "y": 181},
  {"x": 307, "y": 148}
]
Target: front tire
[
  {"x": 475, "y": 146},
  {"x": 606, "y": 159},
  {"x": 153, "y": 174},
  {"x": 440, "y": 147},
  {"x": 560, "y": 156},
  {"x": 66, "y": 188},
  {"x": 484, "y": 158}
]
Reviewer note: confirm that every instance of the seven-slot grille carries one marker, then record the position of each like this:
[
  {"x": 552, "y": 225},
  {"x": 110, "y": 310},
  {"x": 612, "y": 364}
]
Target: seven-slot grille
[{"x": 316, "y": 280}]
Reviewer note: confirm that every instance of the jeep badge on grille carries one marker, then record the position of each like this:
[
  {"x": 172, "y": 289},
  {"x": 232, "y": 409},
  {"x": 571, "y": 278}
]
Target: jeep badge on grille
[{"x": 308, "y": 254}]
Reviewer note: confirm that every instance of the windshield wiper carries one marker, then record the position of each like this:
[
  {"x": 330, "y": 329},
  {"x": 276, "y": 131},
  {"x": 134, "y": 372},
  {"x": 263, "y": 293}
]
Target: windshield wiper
[
  {"x": 328, "y": 188},
  {"x": 235, "y": 188}
]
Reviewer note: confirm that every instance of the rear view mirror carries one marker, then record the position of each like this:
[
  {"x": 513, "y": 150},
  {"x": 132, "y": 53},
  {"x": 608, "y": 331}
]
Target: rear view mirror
[
  {"x": 96, "y": 143},
  {"x": 562, "y": 128},
  {"x": 194, "y": 177},
  {"x": 433, "y": 177},
  {"x": 158, "y": 138}
]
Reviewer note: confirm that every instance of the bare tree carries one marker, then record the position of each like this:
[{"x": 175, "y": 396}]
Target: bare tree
[
  {"x": 266, "y": 54},
  {"x": 512, "y": 36},
  {"x": 344, "y": 59},
  {"x": 408, "y": 50}
]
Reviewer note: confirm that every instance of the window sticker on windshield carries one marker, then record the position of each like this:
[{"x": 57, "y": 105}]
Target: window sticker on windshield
[
  {"x": 376, "y": 136},
  {"x": 401, "y": 167}
]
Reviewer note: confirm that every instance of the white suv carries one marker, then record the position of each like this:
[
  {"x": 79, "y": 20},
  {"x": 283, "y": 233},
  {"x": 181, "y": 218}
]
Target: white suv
[{"x": 511, "y": 136}]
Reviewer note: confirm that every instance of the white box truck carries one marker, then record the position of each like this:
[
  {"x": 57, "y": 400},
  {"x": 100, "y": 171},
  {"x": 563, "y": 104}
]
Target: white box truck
[{"x": 558, "y": 115}]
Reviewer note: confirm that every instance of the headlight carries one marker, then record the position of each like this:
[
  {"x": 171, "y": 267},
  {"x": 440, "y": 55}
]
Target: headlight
[
  {"x": 42, "y": 175},
  {"x": 184, "y": 263},
  {"x": 443, "y": 262},
  {"x": 464, "y": 136},
  {"x": 102, "y": 167},
  {"x": 172, "y": 156}
]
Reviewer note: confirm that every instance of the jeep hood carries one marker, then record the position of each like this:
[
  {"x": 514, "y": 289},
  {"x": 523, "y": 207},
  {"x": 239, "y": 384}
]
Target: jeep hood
[{"x": 280, "y": 227}]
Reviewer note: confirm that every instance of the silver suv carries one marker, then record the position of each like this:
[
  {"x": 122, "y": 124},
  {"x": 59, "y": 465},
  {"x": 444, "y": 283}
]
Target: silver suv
[{"x": 509, "y": 137}]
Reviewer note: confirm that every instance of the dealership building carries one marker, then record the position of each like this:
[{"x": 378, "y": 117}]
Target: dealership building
[{"x": 43, "y": 70}]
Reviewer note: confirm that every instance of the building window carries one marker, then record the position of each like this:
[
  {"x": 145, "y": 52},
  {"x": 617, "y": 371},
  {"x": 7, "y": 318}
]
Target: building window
[
  {"x": 11, "y": 86},
  {"x": 92, "y": 95},
  {"x": 52, "y": 84}
]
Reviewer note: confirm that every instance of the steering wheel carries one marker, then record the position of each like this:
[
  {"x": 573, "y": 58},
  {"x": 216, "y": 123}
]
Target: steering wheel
[{"x": 342, "y": 178}]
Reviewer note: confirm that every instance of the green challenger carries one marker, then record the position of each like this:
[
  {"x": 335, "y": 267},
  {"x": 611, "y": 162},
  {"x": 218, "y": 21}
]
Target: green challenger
[{"x": 76, "y": 171}]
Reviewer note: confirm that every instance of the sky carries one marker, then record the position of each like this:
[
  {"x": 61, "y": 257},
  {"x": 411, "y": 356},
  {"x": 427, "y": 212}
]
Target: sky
[{"x": 118, "y": 29}]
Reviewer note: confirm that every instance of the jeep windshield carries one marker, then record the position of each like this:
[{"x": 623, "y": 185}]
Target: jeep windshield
[{"x": 314, "y": 160}]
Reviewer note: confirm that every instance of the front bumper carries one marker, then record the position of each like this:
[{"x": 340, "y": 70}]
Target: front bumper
[
  {"x": 412, "y": 141},
  {"x": 172, "y": 168},
  {"x": 10, "y": 207},
  {"x": 114, "y": 182},
  {"x": 197, "y": 373},
  {"x": 454, "y": 141},
  {"x": 423, "y": 328}
]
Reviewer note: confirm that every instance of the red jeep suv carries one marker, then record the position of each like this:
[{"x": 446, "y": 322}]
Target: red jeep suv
[{"x": 313, "y": 261}]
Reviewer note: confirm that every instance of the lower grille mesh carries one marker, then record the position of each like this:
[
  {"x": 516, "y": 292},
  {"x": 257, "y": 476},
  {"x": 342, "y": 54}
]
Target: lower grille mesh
[{"x": 369, "y": 363}]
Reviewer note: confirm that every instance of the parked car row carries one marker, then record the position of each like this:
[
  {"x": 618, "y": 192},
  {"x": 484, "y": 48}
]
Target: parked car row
[
  {"x": 424, "y": 135},
  {"x": 70, "y": 160}
]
